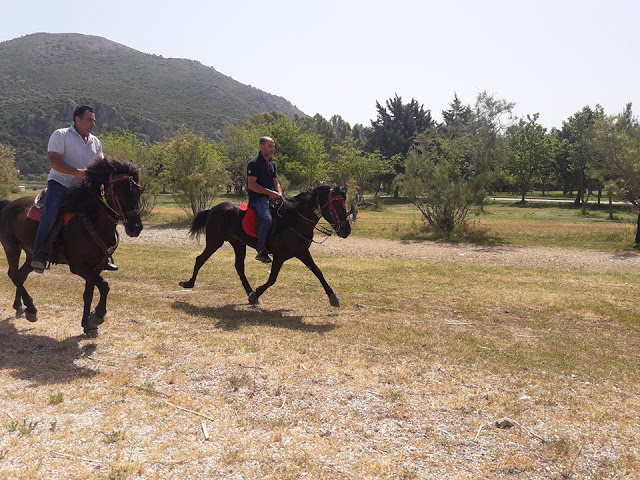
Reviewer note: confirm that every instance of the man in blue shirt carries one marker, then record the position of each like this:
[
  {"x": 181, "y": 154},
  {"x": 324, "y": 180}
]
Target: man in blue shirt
[{"x": 262, "y": 185}]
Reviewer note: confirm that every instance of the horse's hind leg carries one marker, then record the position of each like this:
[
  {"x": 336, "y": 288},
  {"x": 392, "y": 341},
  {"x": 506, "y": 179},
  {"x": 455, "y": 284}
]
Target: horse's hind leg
[
  {"x": 18, "y": 277},
  {"x": 240, "y": 250},
  {"x": 273, "y": 276},
  {"x": 213, "y": 244}
]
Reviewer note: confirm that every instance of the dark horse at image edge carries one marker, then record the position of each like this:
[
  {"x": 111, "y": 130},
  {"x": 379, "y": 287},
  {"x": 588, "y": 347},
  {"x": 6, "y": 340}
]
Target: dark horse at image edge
[
  {"x": 109, "y": 194},
  {"x": 292, "y": 234}
]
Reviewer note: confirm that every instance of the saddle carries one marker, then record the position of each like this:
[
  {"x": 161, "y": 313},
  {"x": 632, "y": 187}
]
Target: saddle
[
  {"x": 251, "y": 221},
  {"x": 55, "y": 244},
  {"x": 35, "y": 212}
]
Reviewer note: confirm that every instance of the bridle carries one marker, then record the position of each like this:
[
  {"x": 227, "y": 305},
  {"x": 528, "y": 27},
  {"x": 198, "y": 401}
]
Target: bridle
[
  {"x": 110, "y": 199},
  {"x": 335, "y": 222}
]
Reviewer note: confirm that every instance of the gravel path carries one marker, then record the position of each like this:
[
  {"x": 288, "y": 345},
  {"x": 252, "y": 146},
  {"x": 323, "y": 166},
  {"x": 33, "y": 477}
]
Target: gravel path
[{"x": 552, "y": 258}]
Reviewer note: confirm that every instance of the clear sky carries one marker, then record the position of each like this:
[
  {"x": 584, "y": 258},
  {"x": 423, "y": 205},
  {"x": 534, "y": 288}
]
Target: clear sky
[{"x": 340, "y": 56}]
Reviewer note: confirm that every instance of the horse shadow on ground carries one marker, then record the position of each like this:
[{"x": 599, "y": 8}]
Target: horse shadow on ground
[
  {"x": 234, "y": 316},
  {"x": 40, "y": 359},
  {"x": 625, "y": 255}
]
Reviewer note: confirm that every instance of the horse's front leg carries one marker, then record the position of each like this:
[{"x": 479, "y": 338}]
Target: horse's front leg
[
  {"x": 275, "y": 269},
  {"x": 92, "y": 320},
  {"x": 240, "y": 250},
  {"x": 307, "y": 259}
]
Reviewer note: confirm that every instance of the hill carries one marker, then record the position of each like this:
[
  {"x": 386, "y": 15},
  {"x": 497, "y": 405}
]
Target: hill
[{"x": 44, "y": 76}]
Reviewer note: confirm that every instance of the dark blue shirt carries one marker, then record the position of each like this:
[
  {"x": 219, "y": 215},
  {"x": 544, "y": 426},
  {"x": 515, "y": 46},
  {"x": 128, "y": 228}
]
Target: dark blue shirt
[{"x": 264, "y": 172}]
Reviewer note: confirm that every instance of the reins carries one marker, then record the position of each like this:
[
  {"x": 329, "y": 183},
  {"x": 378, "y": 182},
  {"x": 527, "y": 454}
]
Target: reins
[{"x": 317, "y": 210}]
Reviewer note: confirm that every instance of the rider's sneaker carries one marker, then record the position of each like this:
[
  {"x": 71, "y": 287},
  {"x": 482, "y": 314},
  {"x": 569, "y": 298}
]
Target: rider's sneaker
[
  {"x": 263, "y": 257},
  {"x": 111, "y": 267},
  {"x": 39, "y": 264}
]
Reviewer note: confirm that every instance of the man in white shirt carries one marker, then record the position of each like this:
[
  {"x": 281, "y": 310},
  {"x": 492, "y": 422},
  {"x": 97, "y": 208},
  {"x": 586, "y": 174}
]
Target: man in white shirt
[{"x": 71, "y": 150}]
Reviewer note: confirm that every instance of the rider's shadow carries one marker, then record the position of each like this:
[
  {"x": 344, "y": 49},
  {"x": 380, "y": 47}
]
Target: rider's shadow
[
  {"x": 40, "y": 359},
  {"x": 233, "y": 316}
]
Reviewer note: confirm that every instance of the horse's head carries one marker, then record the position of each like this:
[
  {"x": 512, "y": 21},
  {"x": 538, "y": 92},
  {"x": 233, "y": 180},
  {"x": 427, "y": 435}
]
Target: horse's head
[
  {"x": 119, "y": 190},
  {"x": 332, "y": 203}
]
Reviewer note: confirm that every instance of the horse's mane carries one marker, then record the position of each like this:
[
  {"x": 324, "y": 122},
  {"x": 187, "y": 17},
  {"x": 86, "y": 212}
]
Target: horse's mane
[
  {"x": 84, "y": 199},
  {"x": 305, "y": 197}
]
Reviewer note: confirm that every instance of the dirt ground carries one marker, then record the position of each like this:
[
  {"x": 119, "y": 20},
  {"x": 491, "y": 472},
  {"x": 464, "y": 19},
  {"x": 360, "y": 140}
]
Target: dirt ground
[
  {"x": 535, "y": 257},
  {"x": 298, "y": 391}
]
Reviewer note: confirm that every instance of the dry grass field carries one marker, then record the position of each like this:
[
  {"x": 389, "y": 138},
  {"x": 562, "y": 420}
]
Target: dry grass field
[{"x": 434, "y": 345}]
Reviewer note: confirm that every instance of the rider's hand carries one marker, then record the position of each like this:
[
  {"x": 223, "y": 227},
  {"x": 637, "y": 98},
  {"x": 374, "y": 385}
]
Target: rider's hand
[{"x": 273, "y": 195}]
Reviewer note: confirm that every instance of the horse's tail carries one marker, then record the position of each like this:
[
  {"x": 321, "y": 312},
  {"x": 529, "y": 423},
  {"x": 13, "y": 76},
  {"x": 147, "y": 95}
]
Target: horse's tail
[{"x": 199, "y": 223}]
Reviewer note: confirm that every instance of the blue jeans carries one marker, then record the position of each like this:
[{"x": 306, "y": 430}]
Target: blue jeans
[
  {"x": 52, "y": 205},
  {"x": 261, "y": 205}
]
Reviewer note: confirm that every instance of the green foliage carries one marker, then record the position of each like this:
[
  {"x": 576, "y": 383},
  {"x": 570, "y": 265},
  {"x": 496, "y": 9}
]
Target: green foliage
[
  {"x": 129, "y": 147},
  {"x": 441, "y": 181},
  {"x": 350, "y": 163},
  {"x": 616, "y": 144},
  {"x": 112, "y": 437},
  {"x": 26, "y": 428},
  {"x": 8, "y": 171},
  {"x": 240, "y": 143},
  {"x": 396, "y": 127},
  {"x": 300, "y": 155},
  {"x": 532, "y": 151},
  {"x": 194, "y": 171},
  {"x": 579, "y": 132},
  {"x": 56, "y": 398}
]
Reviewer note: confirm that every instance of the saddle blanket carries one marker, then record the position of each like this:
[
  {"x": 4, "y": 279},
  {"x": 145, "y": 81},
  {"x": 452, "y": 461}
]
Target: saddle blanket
[
  {"x": 249, "y": 220},
  {"x": 35, "y": 213}
]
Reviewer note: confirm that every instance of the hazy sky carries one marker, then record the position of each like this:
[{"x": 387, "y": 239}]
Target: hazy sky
[{"x": 340, "y": 56}]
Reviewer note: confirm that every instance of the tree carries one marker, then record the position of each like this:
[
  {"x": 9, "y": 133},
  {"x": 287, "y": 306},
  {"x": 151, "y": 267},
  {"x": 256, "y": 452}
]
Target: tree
[
  {"x": 579, "y": 133},
  {"x": 127, "y": 146},
  {"x": 482, "y": 128},
  {"x": 240, "y": 143},
  {"x": 195, "y": 171},
  {"x": 300, "y": 155},
  {"x": 395, "y": 129},
  {"x": 617, "y": 149},
  {"x": 397, "y": 126},
  {"x": 353, "y": 164},
  {"x": 8, "y": 171},
  {"x": 300, "y": 152},
  {"x": 442, "y": 180},
  {"x": 532, "y": 151}
]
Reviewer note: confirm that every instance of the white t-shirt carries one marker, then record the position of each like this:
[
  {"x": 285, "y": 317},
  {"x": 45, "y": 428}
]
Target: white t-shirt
[{"x": 75, "y": 153}]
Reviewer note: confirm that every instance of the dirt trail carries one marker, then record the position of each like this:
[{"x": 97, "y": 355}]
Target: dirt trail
[{"x": 552, "y": 258}]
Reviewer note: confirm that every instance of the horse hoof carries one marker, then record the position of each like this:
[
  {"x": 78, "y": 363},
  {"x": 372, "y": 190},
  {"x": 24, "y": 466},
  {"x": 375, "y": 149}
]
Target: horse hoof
[
  {"x": 334, "y": 300},
  {"x": 93, "y": 321},
  {"x": 91, "y": 332},
  {"x": 186, "y": 284},
  {"x": 19, "y": 312},
  {"x": 253, "y": 298},
  {"x": 32, "y": 317}
]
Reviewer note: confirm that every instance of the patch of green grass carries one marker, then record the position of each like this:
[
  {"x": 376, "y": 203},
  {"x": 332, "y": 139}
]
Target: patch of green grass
[{"x": 56, "y": 398}]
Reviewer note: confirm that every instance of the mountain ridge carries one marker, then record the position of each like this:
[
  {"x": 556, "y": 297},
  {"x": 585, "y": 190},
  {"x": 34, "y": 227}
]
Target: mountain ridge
[{"x": 44, "y": 75}]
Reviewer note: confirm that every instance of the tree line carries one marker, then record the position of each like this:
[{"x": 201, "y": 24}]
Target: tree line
[{"x": 446, "y": 168}]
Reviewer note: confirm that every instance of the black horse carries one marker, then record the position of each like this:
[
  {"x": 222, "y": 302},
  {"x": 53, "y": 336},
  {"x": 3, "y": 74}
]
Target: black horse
[
  {"x": 109, "y": 194},
  {"x": 294, "y": 223}
]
